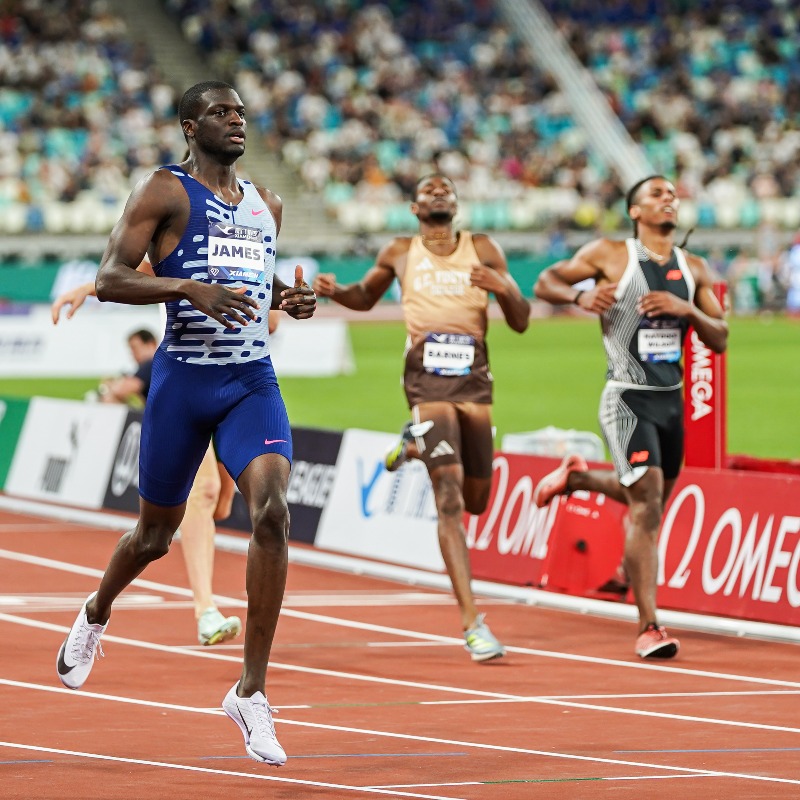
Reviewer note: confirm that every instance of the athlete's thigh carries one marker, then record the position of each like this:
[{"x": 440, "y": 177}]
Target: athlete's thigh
[
  {"x": 440, "y": 444},
  {"x": 265, "y": 480},
  {"x": 256, "y": 424},
  {"x": 669, "y": 414},
  {"x": 477, "y": 439},
  {"x": 646, "y": 492},
  {"x": 176, "y": 430},
  {"x": 631, "y": 437}
]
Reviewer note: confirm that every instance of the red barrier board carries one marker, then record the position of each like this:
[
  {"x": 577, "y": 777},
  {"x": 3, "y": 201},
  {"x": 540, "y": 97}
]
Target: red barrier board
[
  {"x": 729, "y": 544},
  {"x": 705, "y": 412},
  {"x": 572, "y": 545}
]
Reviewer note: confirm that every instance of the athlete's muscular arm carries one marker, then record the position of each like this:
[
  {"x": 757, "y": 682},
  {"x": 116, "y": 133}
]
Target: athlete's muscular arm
[
  {"x": 601, "y": 259},
  {"x": 154, "y": 211},
  {"x": 363, "y": 295},
  {"x": 705, "y": 315},
  {"x": 493, "y": 276}
]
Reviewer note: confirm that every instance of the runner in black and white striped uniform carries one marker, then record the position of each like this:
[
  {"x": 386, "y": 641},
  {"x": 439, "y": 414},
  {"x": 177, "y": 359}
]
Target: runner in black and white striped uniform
[
  {"x": 647, "y": 292},
  {"x": 644, "y": 374}
]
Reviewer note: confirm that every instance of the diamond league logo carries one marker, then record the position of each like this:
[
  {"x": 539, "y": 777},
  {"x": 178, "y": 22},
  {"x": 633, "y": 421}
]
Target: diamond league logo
[{"x": 213, "y": 271}]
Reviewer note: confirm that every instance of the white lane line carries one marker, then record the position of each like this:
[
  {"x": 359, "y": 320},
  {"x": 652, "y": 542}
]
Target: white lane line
[
  {"x": 207, "y": 653},
  {"x": 38, "y": 602},
  {"x": 657, "y": 777},
  {"x": 636, "y": 696},
  {"x": 449, "y": 742},
  {"x": 221, "y": 772},
  {"x": 309, "y": 556},
  {"x": 582, "y": 659},
  {"x": 51, "y": 603},
  {"x": 408, "y": 634},
  {"x": 349, "y": 676},
  {"x": 133, "y": 701},
  {"x": 662, "y": 715}
]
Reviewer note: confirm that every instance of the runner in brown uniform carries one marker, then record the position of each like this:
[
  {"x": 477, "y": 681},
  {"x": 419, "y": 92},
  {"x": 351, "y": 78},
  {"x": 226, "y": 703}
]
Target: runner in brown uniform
[{"x": 445, "y": 278}]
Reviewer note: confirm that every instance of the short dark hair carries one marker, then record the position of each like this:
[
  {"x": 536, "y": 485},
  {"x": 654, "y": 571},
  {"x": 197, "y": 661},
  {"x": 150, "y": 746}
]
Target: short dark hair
[
  {"x": 145, "y": 335},
  {"x": 630, "y": 198},
  {"x": 427, "y": 178},
  {"x": 189, "y": 106}
]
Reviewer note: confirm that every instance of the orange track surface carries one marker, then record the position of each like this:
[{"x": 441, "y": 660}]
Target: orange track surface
[{"x": 376, "y": 695}]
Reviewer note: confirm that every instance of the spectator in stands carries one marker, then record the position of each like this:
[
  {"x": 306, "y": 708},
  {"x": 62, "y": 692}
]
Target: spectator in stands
[
  {"x": 446, "y": 277},
  {"x": 647, "y": 293}
]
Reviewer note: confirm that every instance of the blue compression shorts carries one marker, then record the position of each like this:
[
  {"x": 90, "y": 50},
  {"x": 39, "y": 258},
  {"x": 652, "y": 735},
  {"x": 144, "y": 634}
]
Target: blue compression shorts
[{"x": 240, "y": 405}]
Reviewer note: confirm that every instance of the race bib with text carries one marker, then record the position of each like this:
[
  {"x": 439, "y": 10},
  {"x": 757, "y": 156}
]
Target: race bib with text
[
  {"x": 448, "y": 354},
  {"x": 235, "y": 252},
  {"x": 659, "y": 342}
]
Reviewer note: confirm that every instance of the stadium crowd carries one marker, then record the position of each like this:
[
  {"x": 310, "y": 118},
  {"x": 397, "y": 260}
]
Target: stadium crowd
[
  {"x": 361, "y": 96},
  {"x": 83, "y": 115}
]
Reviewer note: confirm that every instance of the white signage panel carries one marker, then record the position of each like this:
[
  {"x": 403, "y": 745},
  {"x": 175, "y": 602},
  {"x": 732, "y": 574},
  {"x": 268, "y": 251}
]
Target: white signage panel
[
  {"x": 66, "y": 451},
  {"x": 377, "y": 514}
]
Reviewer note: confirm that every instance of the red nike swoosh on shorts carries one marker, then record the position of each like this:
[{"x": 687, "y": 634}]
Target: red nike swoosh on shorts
[
  {"x": 256, "y": 213},
  {"x": 273, "y": 441}
]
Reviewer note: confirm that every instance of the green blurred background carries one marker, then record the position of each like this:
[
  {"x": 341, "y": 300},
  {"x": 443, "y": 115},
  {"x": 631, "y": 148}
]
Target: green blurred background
[{"x": 550, "y": 375}]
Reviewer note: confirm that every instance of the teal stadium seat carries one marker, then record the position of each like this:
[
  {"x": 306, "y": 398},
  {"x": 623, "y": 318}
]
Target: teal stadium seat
[
  {"x": 481, "y": 217},
  {"x": 706, "y": 217},
  {"x": 399, "y": 218},
  {"x": 751, "y": 213},
  {"x": 388, "y": 154},
  {"x": 502, "y": 215}
]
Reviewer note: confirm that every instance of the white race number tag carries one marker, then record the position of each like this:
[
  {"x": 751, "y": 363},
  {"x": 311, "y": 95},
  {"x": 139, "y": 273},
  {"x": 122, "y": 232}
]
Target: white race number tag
[
  {"x": 448, "y": 354},
  {"x": 659, "y": 344},
  {"x": 235, "y": 252}
]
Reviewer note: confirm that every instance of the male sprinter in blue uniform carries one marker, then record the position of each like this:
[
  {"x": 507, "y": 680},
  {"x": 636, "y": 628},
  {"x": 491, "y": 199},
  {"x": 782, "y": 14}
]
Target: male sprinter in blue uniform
[
  {"x": 211, "y": 240},
  {"x": 647, "y": 293}
]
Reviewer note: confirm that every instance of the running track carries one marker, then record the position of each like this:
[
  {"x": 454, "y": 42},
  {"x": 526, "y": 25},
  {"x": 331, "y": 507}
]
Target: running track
[{"x": 377, "y": 697}]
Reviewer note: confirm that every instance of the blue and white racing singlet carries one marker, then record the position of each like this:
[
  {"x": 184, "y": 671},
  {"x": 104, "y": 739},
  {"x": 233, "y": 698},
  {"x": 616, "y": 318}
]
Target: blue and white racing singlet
[{"x": 231, "y": 245}]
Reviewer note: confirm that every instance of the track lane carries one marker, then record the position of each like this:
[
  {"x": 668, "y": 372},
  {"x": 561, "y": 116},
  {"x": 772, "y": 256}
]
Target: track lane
[{"x": 416, "y": 700}]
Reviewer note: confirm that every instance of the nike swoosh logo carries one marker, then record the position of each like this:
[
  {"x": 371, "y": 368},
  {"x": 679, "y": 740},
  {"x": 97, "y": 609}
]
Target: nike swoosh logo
[
  {"x": 62, "y": 666},
  {"x": 244, "y": 722},
  {"x": 273, "y": 441},
  {"x": 256, "y": 213}
]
